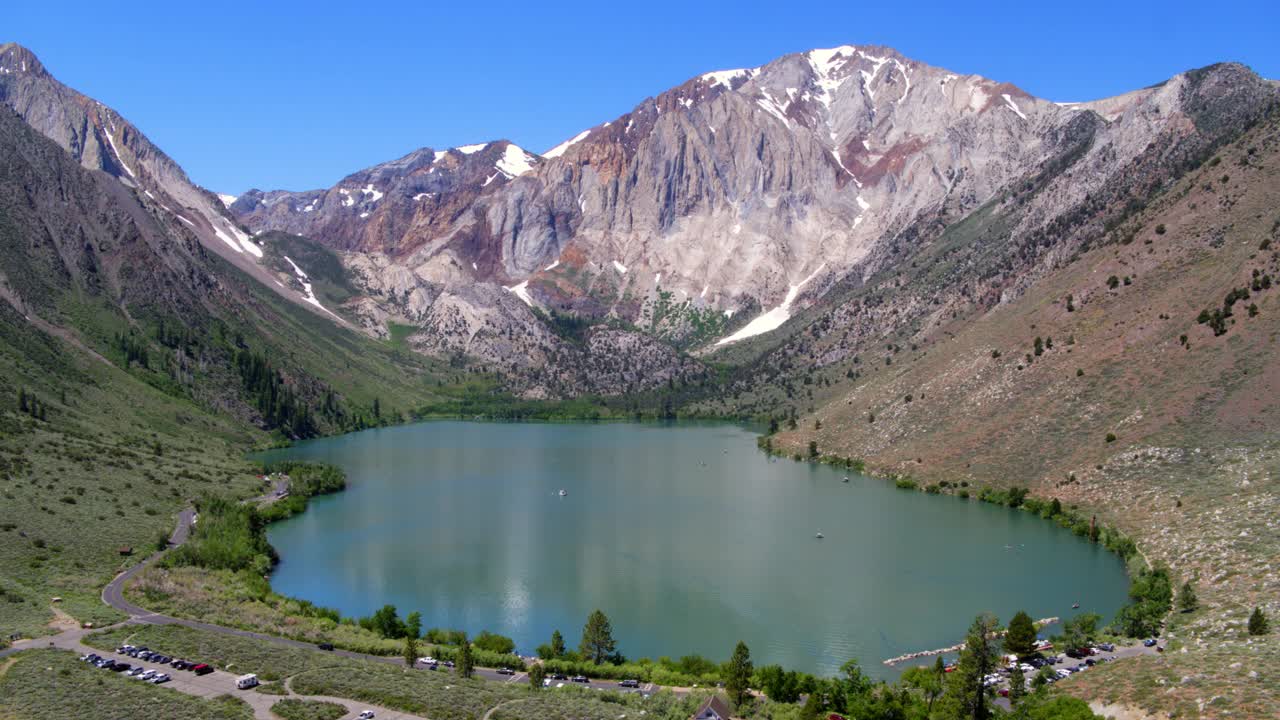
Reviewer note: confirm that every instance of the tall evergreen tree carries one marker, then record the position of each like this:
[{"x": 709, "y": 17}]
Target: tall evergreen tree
[
  {"x": 737, "y": 676},
  {"x": 466, "y": 664},
  {"x": 966, "y": 694},
  {"x": 410, "y": 650},
  {"x": 1017, "y": 684},
  {"x": 597, "y": 638},
  {"x": 1020, "y": 639},
  {"x": 557, "y": 644}
]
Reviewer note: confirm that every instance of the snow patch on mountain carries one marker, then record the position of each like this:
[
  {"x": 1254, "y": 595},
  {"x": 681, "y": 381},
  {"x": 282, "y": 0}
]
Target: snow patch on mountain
[
  {"x": 226, "y": 199},
  {"x": 515, "y": 162},
  {"x": 1012, "y": 105},
  {"x": 773, "y": 319},
  {"x": 468, "y": 149},
  {"x": 368, "y": 190},
  {"x": 725, "y": 78},
  {"x": 620, "y": 267},
  {"x": 308, "y": 294},
  {"x": 521, "y": 290},
  {"x": 559, "y": 150},
  {"x": 119, "y": 158}
]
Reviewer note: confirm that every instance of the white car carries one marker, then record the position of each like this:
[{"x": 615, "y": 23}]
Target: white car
[
  {"x": 428, "y": 660},
  {"x": 366, "y": 715}
]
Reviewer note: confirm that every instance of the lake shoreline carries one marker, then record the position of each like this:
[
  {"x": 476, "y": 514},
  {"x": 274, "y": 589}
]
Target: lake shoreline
[{"x": 880, "y": 480}]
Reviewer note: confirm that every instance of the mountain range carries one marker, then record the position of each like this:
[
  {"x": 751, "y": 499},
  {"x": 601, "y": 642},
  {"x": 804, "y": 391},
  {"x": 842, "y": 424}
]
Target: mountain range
[{"x": 938, "y": 275}]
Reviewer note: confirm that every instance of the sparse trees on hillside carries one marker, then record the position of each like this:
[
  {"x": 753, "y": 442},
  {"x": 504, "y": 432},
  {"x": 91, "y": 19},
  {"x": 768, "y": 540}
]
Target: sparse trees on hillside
[
  {"x": 1258, "y": 624},
  {"x": 1187, "y": 600}
]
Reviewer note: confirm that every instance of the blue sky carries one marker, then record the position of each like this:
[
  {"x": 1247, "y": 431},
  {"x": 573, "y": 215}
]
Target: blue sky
[{"x": 296, "y": 95}]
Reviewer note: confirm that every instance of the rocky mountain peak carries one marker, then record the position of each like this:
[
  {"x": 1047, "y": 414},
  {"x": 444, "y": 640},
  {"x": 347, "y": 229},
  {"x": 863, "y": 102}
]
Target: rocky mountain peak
[{"x": 16, "y": 59}]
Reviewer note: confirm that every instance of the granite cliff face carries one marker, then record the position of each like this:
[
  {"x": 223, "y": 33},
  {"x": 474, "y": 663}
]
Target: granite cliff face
[
  {"x": 707, "y": 216},
  {"x": 717, "y": 209}
]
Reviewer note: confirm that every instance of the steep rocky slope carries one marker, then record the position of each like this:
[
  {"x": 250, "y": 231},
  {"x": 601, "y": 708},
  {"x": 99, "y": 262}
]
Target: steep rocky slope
[
  {"x": 714, "y": 212},
  {"x": 99, "y": 138},
  {"x": 84, "y": 260},
  {"x": 1131, "y": 378}
]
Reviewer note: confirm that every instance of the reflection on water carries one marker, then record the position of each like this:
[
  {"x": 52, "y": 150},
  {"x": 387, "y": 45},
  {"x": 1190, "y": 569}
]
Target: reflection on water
[{"x": 685, "y": 535}]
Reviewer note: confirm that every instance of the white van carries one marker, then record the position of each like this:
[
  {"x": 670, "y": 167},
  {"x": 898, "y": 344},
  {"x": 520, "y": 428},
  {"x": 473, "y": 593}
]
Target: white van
[{"x": 244, "y": 682}]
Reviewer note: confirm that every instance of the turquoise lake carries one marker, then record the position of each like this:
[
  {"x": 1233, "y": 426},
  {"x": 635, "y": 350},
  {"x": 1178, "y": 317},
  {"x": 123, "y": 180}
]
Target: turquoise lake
[{"x": 686, "y": 535}]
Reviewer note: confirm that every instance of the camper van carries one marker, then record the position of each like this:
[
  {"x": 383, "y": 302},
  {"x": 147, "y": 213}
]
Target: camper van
[{"x": 244, "y": 682}]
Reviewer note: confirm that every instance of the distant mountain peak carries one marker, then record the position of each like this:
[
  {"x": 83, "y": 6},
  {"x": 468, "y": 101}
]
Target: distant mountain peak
[{"x": 16, "y": 59}]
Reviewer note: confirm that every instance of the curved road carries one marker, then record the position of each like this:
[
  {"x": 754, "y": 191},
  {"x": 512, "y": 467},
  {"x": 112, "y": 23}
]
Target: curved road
[{"x": 113, "y": 595}]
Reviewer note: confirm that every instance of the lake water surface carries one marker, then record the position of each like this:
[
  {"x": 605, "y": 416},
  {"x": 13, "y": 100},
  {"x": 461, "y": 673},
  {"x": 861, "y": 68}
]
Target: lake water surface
[{"x": 686, "y": 536}]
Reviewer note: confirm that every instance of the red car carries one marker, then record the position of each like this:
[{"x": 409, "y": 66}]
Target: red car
[{"x": 202, "y": 669}]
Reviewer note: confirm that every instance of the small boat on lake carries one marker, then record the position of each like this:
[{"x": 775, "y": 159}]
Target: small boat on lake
[
  {"x": 846, "y": 479},
  {"x": 563, "y": 492},
  {"x": 819, "y": 535}
]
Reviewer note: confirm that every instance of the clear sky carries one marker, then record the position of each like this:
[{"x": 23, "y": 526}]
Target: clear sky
[{"x": 296, "y": 95}]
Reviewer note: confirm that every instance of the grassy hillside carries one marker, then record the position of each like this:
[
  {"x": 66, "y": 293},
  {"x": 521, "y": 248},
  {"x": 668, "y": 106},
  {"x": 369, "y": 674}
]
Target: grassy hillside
[{"x": 135, "y": 371}]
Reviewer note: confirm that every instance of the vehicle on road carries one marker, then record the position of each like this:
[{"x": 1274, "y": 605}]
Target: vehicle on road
[
  {"x": 180, "y": 665},
  {"x": 506, "y": 671},
  {"x": 244, "y": 682},
  {"x": 326, "y": 646},
  {"x": 1107, "y": 647},
  {"x": 1149, "y": 642},
  {"x": 558, "y": 676},
  {"x": 366, "y": 715},
  {"x": 629, "y": 683},
  {"x": 121, "y": 667},
  {"x": 580, "y": 679}
]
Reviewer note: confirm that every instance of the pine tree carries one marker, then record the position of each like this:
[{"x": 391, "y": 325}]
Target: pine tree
[
  {"x": 1020, "y": 639},
  {"x": 967, "y": 696},
  {"x": 1258, "y": 624},
  {"x": 738, "y": 676},
  {"x": 410, "y": 650},
  {"x": 466, "y": 664},
  {"x": 597, "y": 638},
  {"x": 1017, "y": 684},
  {"x": 557, "y": 644},
  {"x": 1187, "y": 600}
]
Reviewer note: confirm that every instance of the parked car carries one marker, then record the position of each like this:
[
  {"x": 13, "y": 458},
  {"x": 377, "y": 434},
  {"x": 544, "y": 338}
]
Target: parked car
[
  {"x": 1107, "y": 647},
  {"x": 201, "y": 669},
  {"x": 559, "y": 676},
  {"x": 629, "y": 683},
  {"x": 366, "y": 715},
  {"x": 160, "y": 679},
  {"x": 580, "y": 679},
  {"x": 104, "y": 662},
  {"x": 244, "y": 682},
  {"x": 326, "y": 646},
  {"x": 180, "y": 665},
  {"x": 506, "y": 671},
  {"x": 449, "y": 664},
  {"x": 121, "y": 667}
]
